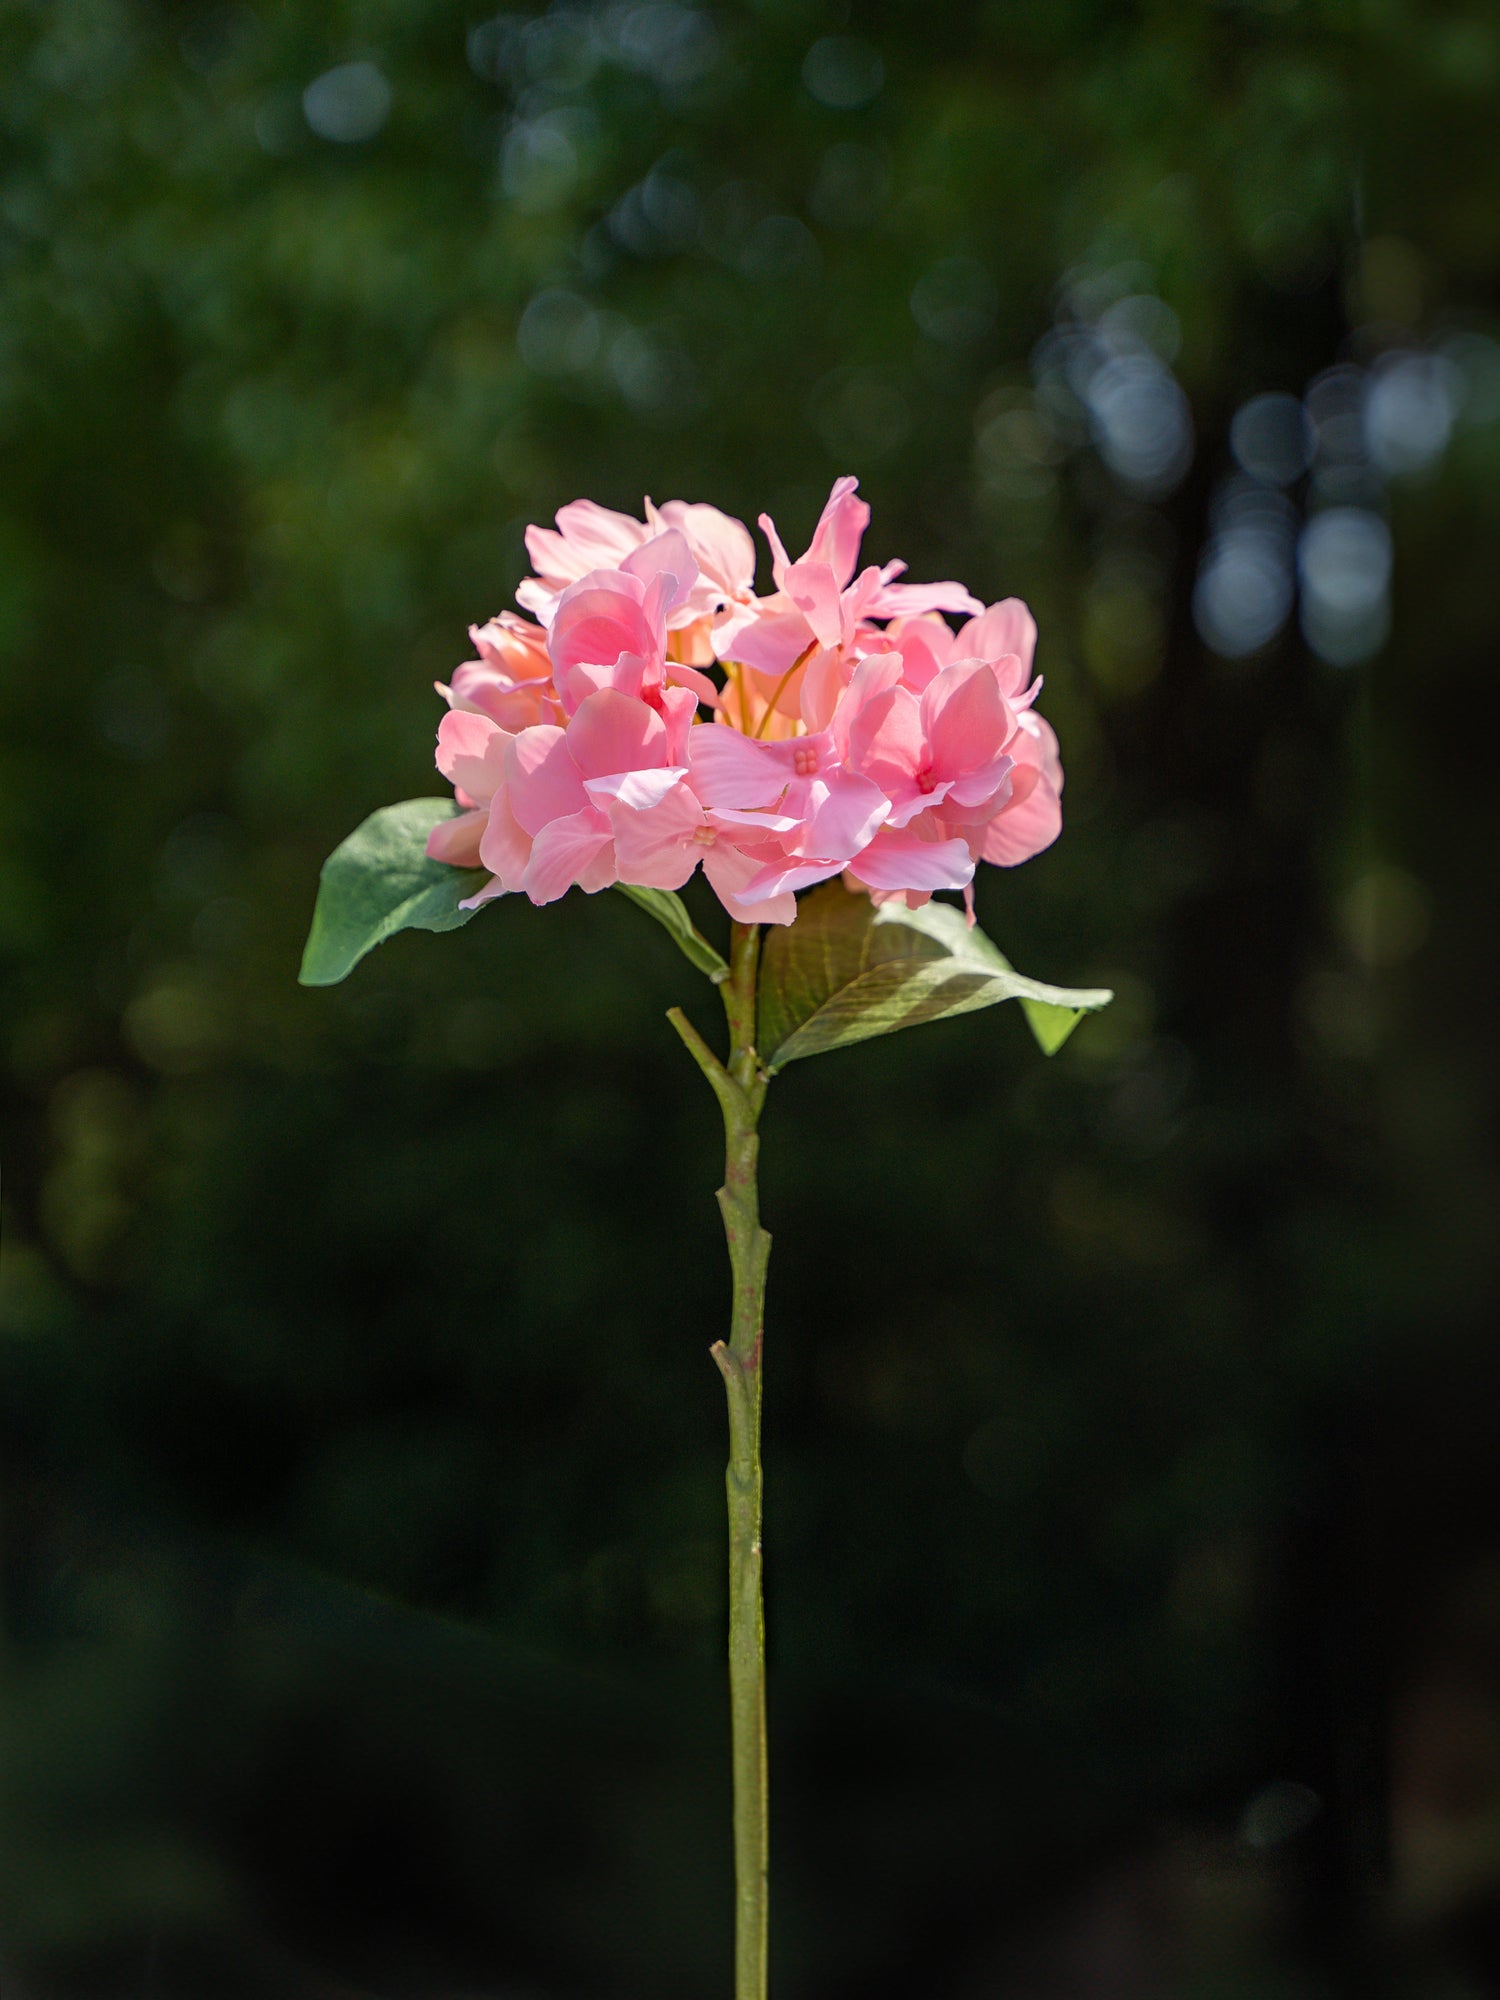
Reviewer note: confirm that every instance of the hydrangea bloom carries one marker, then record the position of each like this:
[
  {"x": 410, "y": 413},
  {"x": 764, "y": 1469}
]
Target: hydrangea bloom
[{"x": 850, "y": 729}]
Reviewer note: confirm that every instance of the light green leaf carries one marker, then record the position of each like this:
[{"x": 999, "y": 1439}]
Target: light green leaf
[
  {"x": 846, "y": 971},
  {"x": 380, "y": 881},
  {"x": 670, "y": 912}
]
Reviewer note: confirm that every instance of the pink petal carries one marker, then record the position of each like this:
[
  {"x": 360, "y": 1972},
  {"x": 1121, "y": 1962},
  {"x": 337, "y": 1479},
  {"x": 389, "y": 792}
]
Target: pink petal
[
  {"x": 730, "y": 870},
  {"x": 471, "y": 753},
  {"x": 487, "y": 894},
  {"x": 659, "y": 848},
  {"x": 665, "y": 558},
  {"x": 988, "y": 786},
  {"x": 589, "y": 537},
  {"x": 965, "y": 719},
  {"x": 564, "y": 851},
  {"x": 457, "y": 840},
  {"x": 780, "y": 562},
  {"x": 639, "y": 789},
  {"x": 1007, "y": 627},
  {"x": 906, "y": 861},
  {"x": 844, "y": 811},
  {"x": 734, "y": 821},
  {"x": 840, "y": 530},
  {"x": 505, "y": 847},
  {"x": 1032, "y": 821},
  {"x": 722, "y": 545},
  {"x": 926, "y": 647},
  {"x": 821, "y": 686},
  {"x": 813, "y": 589},
  {"x": 768, "y": 641},
  {"x": 598, "y": 619},
  {"x": 858, "y": 602},
  {"x": 703, "y": 689},
  {"x": 910, "y": 600},
  {"x": 541, "y": 779},
  {"x": 886, "y": 740},
  {"x": 612, "y": 732},
  {"x": 785, "y": 878},
  {"x": 513, "y": 646},
  {"x": 729, "y": 769}
]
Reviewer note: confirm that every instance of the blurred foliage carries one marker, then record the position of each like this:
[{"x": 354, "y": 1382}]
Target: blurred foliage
[{"x": 1134, "y": 1528}]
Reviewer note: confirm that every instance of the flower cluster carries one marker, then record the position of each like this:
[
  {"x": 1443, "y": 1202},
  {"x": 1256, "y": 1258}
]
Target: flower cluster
[{"x": 851, "y": 730}]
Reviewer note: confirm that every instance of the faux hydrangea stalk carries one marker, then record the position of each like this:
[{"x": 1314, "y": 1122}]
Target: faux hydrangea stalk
[{"x": 837, "y": 736}]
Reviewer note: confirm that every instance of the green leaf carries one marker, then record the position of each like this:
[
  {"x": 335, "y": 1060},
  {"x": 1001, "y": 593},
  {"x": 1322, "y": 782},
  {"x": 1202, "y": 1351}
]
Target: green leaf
[
  {"x": 846, "y": 971},
  {"x": 380, "y": 881},
  {"x": 671, "y": 913}
]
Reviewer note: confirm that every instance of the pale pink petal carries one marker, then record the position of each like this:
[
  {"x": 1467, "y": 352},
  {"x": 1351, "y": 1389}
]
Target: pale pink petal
[
  {"x": 1006, "y": 628},
  {"x": 820, "y": 688},
  {"x": 965, "y": 720},
  {"x": 589, "y": 537},
  {"x": 612, "y": 732},
  {"x": 738, "y": 823},
  {"x": 1029, "y": 823},
  {"x": 722, "y": 545},
  {"x": 599, "y": 619},
  {"x": 926, "y": 647},
  {"x": 487, "y": 894},
  {"x": 729, "y": 769},
  {"x": 857, "y": 603},
  {"x": 768, "y": 641},
  {"x": 600, "y": 873},
  {"x": 505, "y": 847},
  {"x": 780, "y": 561},
  {"x": 843, "y": 812},
  {"x": 840, "y": 530},
  {"x": 983, "y": 791},
  {"x": 659, "y": 848},
  {"x": 886, "y": 740},
  {"x": 564, "y": 851},
  {"x": 1035, "y": 742},
  {"x": 910, "y": 600},
  {"x": 481, "y": 689},
  {"x": 910, "y": 801},
  {"x": 680, "y": 676},
  {"x": 678, "y": 709},
  {"x": 640, "y": 789},
  {"x": 534, "y": 596},
  {"x": 668, "y": 559},
  {"x": 813, "y": 589},
  {"x": 513, "y": 645},
  {"x": 730, "y": 870},
  {"x": 541, "y": 779},
  {"x": 457, "y": 840},
  {"x": 785, "y": 878},
  {"x": 906, "y": 861},
  {"x": 471, "y": 753}
]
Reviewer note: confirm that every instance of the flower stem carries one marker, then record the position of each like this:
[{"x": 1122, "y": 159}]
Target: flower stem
[{"x": 741, "y": 1088}]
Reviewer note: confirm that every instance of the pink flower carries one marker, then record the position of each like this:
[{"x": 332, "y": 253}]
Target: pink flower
[
  {"x": 561, "y": 782},
  {"x": 511, "y": 681},
  {"x": 589, "y": 538},
  {"x": 857, "y": 730},
  {"x": 609, "y": 629},
  {"x": 817, "y": 621},
  {"x": 833, "y": 810},
  {"x": 1031, "y": 817},
  {"x": 471, "y": 755},
  {"x": 660, "y": 846},
  {"x": 942, "y": 747}
]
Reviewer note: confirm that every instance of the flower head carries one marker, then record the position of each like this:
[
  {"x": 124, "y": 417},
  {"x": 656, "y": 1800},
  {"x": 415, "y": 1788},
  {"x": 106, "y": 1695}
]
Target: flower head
[{"x": 855, "y": 730}]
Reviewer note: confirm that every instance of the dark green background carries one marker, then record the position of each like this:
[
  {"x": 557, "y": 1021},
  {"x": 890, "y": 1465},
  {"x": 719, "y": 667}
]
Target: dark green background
[{"x": 1134, "y": 1530}]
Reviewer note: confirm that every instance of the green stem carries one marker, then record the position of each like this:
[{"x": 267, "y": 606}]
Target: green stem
[{"x": 741, "y": 1088}]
